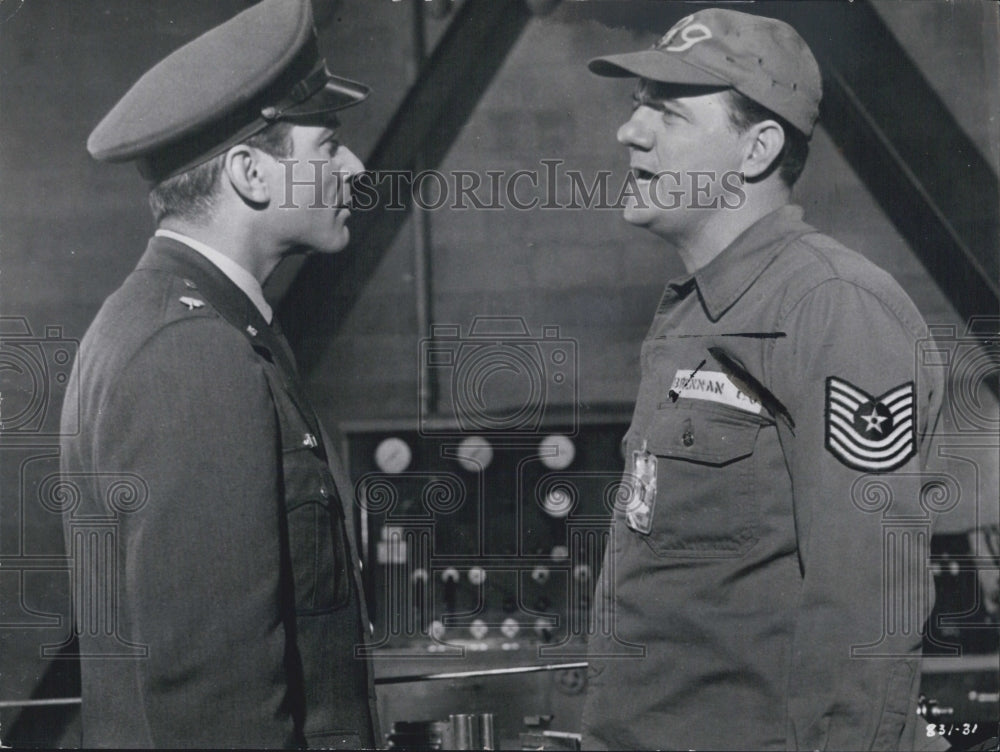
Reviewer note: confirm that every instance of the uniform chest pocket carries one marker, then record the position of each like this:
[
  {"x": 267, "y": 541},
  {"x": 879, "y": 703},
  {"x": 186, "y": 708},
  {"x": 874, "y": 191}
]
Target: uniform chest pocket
[
  {"x": 706, "y": 500},
  {"x": 316, "y": 539}
]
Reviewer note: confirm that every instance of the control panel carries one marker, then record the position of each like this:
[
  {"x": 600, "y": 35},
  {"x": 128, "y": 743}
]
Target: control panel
[{"x": 493, "y": 542}]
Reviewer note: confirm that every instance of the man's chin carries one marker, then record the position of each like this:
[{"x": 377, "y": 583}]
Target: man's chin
[
  {"x": 334, "y": 245},
  {"x": 327, "y": 249},
  {"x": 342, "y": 241},
  {"x": 636, "y": 216}
]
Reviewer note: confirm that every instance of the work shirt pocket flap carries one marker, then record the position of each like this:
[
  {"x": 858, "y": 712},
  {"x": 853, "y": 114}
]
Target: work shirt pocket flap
[{"x": 710, "y": 434}]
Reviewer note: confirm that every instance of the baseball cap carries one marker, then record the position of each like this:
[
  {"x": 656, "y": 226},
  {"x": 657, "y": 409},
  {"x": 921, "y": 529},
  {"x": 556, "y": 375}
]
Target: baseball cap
[
  {"x": 762, "y": 58},
  {"x": 261, "y": 66}
]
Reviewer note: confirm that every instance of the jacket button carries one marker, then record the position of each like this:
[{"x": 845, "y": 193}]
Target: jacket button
[
  {"x": 323, "y": 492},
  {"x": 688, "y": 438}
]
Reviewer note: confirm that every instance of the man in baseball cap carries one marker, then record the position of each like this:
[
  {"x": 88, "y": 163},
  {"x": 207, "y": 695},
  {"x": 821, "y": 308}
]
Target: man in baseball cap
[
  {"x": 225, "y": 607},
  {"x": 742, "y": 602}
]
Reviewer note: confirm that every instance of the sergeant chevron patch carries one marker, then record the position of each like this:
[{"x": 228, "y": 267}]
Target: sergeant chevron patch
[{"x": 876, "y": 434}]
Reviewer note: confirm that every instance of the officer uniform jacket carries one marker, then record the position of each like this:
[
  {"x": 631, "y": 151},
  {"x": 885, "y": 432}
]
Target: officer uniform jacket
[
  {"x": 778, "y": 597},
  {"x": 232, "y": 589}
]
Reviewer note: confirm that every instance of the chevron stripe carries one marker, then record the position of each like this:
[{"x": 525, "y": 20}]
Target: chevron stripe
[
  {"x": 844, "y": 454},
  {"x": 848, "y": 434}
]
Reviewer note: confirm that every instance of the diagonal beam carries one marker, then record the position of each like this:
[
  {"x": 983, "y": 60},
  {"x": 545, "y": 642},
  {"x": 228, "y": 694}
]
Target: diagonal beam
[
  {"x": 904, "y": 143},
  {"x": 420, "y": 134}
]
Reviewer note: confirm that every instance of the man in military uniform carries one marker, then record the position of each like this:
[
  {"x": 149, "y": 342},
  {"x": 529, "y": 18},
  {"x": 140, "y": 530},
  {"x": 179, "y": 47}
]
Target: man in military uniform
[
  {"x": 233, "y": 583},
  {"x": 749, "y": 599}
]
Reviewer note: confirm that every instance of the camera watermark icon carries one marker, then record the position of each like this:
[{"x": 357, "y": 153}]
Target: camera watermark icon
[
  {"x": 585, "y": 503},
  {"x": 907, "y": 578},
  {"x": 969, "y": 360},
  {"x": 89, "y": 508},
  {"x": 499, "y": 378},
  {"x": 399, "y": 522},
  {"x": 92, "y": 540},
  {"x": 33, "y": 370}
]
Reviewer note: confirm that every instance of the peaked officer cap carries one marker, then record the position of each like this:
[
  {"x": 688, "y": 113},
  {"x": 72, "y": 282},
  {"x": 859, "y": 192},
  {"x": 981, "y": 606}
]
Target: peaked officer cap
[{"x": 261, "y": 66}]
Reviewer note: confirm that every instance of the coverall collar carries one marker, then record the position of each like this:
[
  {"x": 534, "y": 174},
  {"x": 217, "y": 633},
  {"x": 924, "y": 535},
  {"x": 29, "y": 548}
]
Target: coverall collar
[{"x": 724, "y": 280}]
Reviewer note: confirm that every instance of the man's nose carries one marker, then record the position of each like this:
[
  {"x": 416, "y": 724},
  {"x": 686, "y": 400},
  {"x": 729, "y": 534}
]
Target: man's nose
[
  {"x": 634, "y": 133},
  {"x": 348, "y": 165}
]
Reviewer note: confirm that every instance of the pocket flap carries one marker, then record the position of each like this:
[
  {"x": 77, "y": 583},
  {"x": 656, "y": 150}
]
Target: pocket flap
[
  {"x": 307, "y": 481},
  {"x": 703, "y": 433}
]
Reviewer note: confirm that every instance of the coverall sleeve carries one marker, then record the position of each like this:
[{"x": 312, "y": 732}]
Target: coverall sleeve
[
  {"x": 862, "y": 535},
  {"x": 200, "y": 562}
]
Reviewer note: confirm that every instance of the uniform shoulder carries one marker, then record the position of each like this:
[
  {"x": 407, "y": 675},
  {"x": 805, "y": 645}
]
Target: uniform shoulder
[
  {"x": 160, "y": 296},
  {"x": 816, "y": 261},
  {"x": 155, "y": 314},
  {"x": 817, "y": 258}
]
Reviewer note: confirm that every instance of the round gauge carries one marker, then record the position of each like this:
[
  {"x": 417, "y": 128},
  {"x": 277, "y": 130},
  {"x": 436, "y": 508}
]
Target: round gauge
[
  {"x": 393, "y": 455},
  {"x": 558, "y": 501},
  {"x": 478, "y": 629},
  {"x": 419, "y": 575},
  {"x": 571, "y": 682},
  {"x": 450, "y": 575},
  {"x": 581, "y": 572},
  {"x": 559, "y": 553},
  {"x": 557, "y": 452},
  {"x": 436, "y": 630},
  {"x": 540, "y": 574},
  {"x": 477, "y": 575},
  {"x": 474, "y": 454},
  {"x": 510, "y": 628}
]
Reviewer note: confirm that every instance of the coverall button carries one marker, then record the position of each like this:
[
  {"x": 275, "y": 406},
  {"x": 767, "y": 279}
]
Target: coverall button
[{"x": 687, "y": 438}]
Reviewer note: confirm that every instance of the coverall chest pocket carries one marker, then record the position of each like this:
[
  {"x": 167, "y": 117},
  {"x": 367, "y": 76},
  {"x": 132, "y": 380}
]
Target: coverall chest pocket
[{"x": 706, "y": 503}]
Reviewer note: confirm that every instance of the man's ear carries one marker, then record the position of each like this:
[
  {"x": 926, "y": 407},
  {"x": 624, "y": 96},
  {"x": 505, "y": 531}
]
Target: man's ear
[
  {"x": 765, "y": 142},
  {"x": 243, "y": 168}
]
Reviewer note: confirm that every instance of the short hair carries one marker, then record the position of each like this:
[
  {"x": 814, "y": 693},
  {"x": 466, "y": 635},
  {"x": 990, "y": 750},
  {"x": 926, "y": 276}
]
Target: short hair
[
  {"x": 745, "y": 112},
  {"x": 192, "y": 194}
]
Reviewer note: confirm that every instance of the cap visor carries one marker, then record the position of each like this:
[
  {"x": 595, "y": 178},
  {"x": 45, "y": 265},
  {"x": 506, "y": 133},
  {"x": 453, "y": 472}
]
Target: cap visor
[
  {"x": 655, "y": 66},
  {"x": 336, "y": 94}
]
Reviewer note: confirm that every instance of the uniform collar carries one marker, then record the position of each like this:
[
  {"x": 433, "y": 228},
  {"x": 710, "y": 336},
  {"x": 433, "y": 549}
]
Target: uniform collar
[
  {"x": 724, "y": 280},
  {"x": 203, "y": 278},
  {"x": 240, "y": 277}
]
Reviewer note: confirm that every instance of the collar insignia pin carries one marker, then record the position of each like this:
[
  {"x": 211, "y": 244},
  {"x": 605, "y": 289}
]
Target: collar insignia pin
[{"x": 192, "y": 303}]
